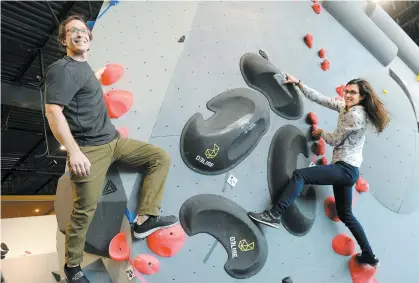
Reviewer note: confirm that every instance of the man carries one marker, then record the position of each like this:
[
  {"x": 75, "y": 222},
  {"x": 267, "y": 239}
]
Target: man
[{"x": 78, "y": 117}]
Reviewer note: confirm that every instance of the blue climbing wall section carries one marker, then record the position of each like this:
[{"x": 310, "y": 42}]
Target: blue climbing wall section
[{"x": 172, "y": 80}]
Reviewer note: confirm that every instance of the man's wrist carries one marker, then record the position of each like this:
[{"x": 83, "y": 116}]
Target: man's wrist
[{"x": 74, "y": 149}]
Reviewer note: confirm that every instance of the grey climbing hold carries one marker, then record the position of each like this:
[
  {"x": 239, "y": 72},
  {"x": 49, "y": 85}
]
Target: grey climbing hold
[
  {"x": 263, "y": 76},
  {"x": 287, "y": 144},
  {"x": 218, "y": 144}
]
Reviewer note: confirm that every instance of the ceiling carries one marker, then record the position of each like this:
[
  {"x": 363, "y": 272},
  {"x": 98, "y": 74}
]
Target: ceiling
[
  {"x": 15, "y": 209},
  {"x": 29, "y": 46},
  {"x": 405, "y": 14}
]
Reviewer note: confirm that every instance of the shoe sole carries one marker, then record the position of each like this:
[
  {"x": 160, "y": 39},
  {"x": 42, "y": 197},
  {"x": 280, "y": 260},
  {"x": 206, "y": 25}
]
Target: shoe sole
[
  {"x": 372, "y": 265},
  {"x": 151, "y": 231},
  {"x": 263, "y": 222}
]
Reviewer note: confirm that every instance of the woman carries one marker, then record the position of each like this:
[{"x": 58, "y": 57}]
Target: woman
[{"x": 360, "y": 106}]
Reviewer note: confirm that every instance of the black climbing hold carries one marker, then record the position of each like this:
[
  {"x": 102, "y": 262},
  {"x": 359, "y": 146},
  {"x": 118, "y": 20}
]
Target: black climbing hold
[
  {"x": 221, "y": 142},
  {"x": 57, "y": 276},
  {"x": 287, "y": 280},
  {"x": 181, "y": 39},
  {"x": 226, "y": 221},
  {"x": 287, "y": 143},
  {"x": 263, "y": 76},
  {"x": 4, "y": 247},
  {"x": 263, "y": 54}
]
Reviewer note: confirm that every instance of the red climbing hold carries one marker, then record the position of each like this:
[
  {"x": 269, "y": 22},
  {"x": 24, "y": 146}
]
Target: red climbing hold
[
  {"x": 312, "y": 118},
  {"x": 112, "y": 74},
  {"x": 325, "y": 65},
  {"x": 118, "y": 248},
  {"x": 319, "y": 147},
  {"x": 361, "y": 273},
  {"x": 323, "y": 161},
  {"x": 322, "y": 53},
  {"x": 118, "y": 102},
  {"x": 308, "y": 39},
  {"x": 362, "y": 185},
  {"x": 313, "y": 128},
  {"x": 167, "y": 242},
  {"x": 330, "y": 208},
  {"x": 146, "y": 264},
  {"x": 317, "y": 8},
  {"x": 123, "y": 132},
  {"x": 340, "y": 89},
  {"x": 354, "y": 197},
  {"x": 344, "y": 245}
]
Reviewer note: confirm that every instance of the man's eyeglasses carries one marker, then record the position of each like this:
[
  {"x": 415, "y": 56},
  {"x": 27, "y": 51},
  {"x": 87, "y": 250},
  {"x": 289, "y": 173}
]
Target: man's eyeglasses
[{"x": 76, "y": 30}]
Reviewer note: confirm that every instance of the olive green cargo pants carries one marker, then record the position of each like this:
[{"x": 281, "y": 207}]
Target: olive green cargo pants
[{"x": 88, "y": 189}]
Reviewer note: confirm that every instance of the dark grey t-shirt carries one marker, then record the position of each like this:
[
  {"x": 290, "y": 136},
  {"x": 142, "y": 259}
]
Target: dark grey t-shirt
[{"x": 73, "y": 84}]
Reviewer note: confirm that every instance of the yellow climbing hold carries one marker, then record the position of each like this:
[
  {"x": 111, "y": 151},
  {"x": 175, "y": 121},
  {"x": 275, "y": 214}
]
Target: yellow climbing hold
[
  {"x": 417, "y": 78},
  {"x": 385, "y": 91}
]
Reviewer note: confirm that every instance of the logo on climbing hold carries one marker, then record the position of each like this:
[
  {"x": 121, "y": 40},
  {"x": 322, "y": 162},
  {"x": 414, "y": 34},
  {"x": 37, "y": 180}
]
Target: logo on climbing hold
[
  {"x": 212, "y": 153},
  {"x": 203, "y": 161},
  {"x": 244, "y": 246},
  {"x": 233, "y": 245}
]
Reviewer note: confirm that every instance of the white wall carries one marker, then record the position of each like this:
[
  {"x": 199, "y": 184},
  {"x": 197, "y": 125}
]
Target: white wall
[
  {"x": 35, "y": 234},
  {"x": 33, "y": 269}
]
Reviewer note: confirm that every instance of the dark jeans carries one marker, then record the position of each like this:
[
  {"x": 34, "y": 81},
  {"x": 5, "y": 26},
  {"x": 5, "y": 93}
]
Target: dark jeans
[{"x": 342, "y": 176}]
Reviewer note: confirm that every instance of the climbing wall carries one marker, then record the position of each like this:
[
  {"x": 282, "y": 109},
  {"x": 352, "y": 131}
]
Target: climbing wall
[{"x": 172, "y": 81}]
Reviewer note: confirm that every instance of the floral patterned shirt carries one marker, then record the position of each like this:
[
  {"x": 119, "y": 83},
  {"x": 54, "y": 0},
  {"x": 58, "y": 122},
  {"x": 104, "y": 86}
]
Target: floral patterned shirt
[{"x": 349, "y": 137}]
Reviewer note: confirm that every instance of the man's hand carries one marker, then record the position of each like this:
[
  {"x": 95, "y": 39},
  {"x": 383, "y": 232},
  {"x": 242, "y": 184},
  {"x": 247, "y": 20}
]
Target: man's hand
[
  {"x": 79, "y": 163},
  {"x": 99, "y": 72}
]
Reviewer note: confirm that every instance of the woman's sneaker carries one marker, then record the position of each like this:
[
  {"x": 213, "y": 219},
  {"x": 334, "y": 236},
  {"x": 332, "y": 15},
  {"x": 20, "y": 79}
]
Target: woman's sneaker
[
  {"x": 265, "y": 217},
  {"x": 152, "y": 224},
  {"x": 366, "y": 258},
  {"x": 75, "y": 274}
]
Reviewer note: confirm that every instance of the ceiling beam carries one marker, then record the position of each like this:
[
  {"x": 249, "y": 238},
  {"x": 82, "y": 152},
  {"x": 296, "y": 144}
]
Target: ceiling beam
[
  {"x": 66, "y": 11},
  {"x": 21, "y": 160},
  {"x": 50, "y": 185},
  {"x": 27, "y": 198},
  {"x": 408, "y": 23},
  {"x": 402, "y": 13}
]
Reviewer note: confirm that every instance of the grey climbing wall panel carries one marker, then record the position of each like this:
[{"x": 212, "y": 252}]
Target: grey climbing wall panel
[
  {"x": 137, "y": 34},
  {"x": 146, "y": 43}
]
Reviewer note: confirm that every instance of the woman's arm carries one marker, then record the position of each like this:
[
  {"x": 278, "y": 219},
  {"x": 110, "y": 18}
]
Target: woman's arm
[
  {"x": 352, "y": 122},
  {"x": 314, "y": 95},
  {"x": 320, "y": 99}
]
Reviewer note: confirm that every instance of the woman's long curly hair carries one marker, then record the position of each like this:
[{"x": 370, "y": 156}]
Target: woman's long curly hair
[{"x": 374, "y": 108}]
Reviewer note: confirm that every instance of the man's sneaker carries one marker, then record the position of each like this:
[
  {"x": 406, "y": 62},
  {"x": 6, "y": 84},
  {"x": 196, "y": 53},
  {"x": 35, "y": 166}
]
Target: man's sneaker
[
  {"x": 75, "y": 275},
  {"x": 266, "y": 218},
  {"x": 367, "y": 259},
  {"x": 152, "y": 224}
]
